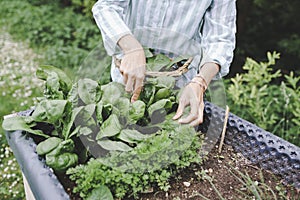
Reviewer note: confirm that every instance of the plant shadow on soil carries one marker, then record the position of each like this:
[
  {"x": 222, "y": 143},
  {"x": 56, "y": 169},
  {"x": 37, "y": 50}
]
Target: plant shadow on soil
[{"x": 220, "y": 177}]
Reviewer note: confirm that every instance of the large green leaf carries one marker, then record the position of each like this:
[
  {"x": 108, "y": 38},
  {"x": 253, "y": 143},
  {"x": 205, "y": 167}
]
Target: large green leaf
[
  {"x": 157, "y": 62},
  {"x": 102, "y": 192},
  {"x": 112, "y": 92},
  {"x": 53, "y": 88},
  {"x": 110, "y": 127},
  {"x": 69, "y": 123},
  {"x": 85, "y": 117},
  {"x": 162, "y": 82},
  {"x": 165, "y": 81},
  {"x": 47, "y": 145},
  {"x": 147, "y": 94},
  {"x": 57, "y": 83},
  {"x": 114, "y": 145},
  {"x": 122, "y": 104},
  {"x": 136, "y": 111},
  {"x": 49, "y": 111},
  {"x": 44, "y": 71},
  {"x": 162, "y": 93},
  {"x": 61, "y": 162},
  {"x": 20, "y": 123},
  {"x": 132, "y": 136},
  {"x": 89, "y": 91},
  {"x": 85, "y": 131},
  {"x": 165, "y": 104}
]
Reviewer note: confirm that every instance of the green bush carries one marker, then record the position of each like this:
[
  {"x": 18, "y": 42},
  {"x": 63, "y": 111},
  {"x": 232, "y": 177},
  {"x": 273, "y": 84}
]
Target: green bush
[
  {"x": 79, "y": 6},
  {"x": 85, "y": 6},
  {"x": 269, "y": 24},
  {"x": 65, "y": 37},
  {"x": 274, "y": 107}
]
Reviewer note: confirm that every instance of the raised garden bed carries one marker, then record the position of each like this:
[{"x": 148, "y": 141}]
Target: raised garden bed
[
  {"x": 260, "y": 147},
  {"x": 136, "y": 145}
]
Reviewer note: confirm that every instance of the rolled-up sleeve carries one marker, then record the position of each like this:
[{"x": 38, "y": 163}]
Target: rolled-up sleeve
[
  {"x": 110, "y": 18},
  {"x": 218, "y": 34}
]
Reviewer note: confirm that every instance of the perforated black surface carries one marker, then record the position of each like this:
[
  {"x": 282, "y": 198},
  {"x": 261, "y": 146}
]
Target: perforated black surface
[
  {"x": 259, "y": 146},
  {"x": 43, "y": 182}
]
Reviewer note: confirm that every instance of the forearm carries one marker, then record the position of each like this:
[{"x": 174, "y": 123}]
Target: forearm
[
  {"x": 128, "y": 43},
  {"x": 208, "y": 71},
  {"x": 110, "y": 20}
]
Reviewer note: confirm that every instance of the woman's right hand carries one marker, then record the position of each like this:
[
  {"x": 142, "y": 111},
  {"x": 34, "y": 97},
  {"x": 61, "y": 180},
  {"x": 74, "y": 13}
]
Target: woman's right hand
[{"x": 133, "y": 69}]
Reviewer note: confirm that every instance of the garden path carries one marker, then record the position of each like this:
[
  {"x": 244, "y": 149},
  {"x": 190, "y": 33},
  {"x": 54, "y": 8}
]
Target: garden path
[{"x": 18, "y": 89}]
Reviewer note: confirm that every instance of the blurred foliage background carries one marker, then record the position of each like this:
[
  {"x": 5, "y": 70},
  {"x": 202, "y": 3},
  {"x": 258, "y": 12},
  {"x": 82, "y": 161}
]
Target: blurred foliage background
[
  {"x": 263, "y": 90},
  {"x": 268, "y": 25}
]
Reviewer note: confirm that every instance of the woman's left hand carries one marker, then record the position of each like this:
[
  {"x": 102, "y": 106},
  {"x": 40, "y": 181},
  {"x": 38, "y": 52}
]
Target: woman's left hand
[{"x": 192, "y": 96}]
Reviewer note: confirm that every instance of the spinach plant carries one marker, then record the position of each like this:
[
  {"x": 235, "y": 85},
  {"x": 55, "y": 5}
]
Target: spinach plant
[{"x": 133, "y": 142}]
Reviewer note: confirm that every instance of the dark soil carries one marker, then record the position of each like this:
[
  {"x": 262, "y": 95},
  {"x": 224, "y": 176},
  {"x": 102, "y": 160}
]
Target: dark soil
[
  {"x": 190, "y": 184},
  {"x": 222, "y": 173}
]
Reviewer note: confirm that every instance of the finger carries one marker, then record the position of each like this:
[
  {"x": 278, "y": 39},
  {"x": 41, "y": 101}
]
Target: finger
[
  {"x": 193, "y": 113},
  {"x": 138, "y": 81},
  {"x": 125, "y": 78},
  {"x": 136, "y": 94},
  {"x": 137, "y": 89},
  {"x": 121, "y": 68},
  {"x": 129, "y": 84},
  {"x": 180, "y": 109},
  {"x": 199, "y": 119}
]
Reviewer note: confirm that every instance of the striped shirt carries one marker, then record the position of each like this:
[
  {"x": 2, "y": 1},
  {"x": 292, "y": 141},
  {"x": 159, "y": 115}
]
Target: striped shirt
[{"x": 204, "y": 29}]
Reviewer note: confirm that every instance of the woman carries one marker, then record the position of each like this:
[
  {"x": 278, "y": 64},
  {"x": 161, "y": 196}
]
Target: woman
[{"x": 204, "y": 28}]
